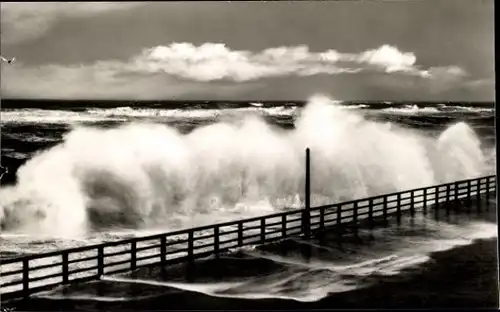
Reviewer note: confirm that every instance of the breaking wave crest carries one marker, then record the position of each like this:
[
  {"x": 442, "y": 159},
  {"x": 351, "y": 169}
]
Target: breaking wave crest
[
  {"x": 145, "y": 176},
  {"x": 123, "y": 114}
]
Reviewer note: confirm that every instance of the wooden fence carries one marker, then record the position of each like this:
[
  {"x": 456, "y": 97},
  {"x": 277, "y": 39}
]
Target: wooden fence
[{"x": 28, "y": 274}]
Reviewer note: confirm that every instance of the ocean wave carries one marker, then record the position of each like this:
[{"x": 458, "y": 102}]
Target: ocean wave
[
  {"x": 127, "y": 113},
  {"x": 411, "y": 109},
  {"x": 10, "y": 153},
  {"x": 29, "y": 137},
  {"x": 357, "y": 106},
  {"x": 41, "y": 116},
  {"x": 121, "y": 114},
  {"x": 192, "y": 113},
  {"x": 470, "y": 109},
  {"x": 437, "y": 109},
  {"x": 143, "y": 175}
]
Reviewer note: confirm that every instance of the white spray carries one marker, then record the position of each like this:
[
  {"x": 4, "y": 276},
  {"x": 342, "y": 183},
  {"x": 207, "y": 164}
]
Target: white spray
[{"x": 151, "y": 176}]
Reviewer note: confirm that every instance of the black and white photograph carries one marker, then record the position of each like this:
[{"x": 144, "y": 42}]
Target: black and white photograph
[{"x": 248, "y": 155}]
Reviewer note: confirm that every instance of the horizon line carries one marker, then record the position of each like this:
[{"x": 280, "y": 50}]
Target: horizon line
[{"x": 233, "y": 101}]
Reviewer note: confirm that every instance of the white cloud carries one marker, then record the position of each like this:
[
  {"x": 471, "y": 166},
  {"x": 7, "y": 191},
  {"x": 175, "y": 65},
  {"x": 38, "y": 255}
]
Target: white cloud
[
  {"x": 389, "y": 58},
  {"x": 215, "y": 61},
  {"x": 182, "y": 68}
]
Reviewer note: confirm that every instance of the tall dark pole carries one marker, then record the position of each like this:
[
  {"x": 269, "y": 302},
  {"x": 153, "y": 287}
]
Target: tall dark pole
[{"x": 306, "y": 215}]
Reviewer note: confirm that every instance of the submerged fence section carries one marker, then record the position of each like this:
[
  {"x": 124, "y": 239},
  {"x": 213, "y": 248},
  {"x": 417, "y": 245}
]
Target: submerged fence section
[{"x": 28, "y": 274}]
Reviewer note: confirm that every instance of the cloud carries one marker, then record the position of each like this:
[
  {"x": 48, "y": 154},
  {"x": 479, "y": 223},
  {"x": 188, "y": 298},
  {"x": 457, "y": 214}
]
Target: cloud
[
  {"x": 445, "y": 73},
  {"x": 390, "y": 59},
  {"x": 101, "y": 80},
  {"x": 210, "y": 69},
  {"x": 22, "y": 21},
  {"x": 215, "y": 61},
  {"x": 444, "y": 78}
]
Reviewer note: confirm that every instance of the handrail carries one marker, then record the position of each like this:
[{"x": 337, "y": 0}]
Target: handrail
[
  {"x": 246, "y": 231},
  {"x": 227, "y": 223}
]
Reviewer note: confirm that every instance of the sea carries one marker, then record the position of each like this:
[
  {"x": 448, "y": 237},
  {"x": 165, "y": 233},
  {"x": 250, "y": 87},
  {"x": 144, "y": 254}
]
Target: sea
[{"x": 83, "y": 172}]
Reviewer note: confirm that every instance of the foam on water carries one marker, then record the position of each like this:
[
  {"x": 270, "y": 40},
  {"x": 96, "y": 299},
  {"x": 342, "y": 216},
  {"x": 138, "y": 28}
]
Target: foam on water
[
  {"x": 311, "y": 279},
  {"x": 296, "y": 274},
  {"x": 412, "y": 109},
  {"x": 144, "y": 176},
  {"x": 121, "y": 114},
  {"x": 38, "y": 116},
  {"x": 415, "y": 110}
]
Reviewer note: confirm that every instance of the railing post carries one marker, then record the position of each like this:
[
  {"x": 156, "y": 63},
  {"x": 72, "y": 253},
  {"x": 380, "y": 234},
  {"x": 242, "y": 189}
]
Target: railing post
[
  {"x": 263, "y": 230},
  {"x": 487, "y": 191},
  {"x": 26, "y": 278},
  {"x": 339, "y": 215},
  {"x": 370, "y": 213},
  {"x": 425, "y": 201},
  {"x": 448, "y": 191},
  {"x": 478, "y": 191},
  {"x": 100, "y": 260},
  {"x": 283, "y": 225},
  {"x": 355, "y": 213},
  {"x": 457, "y": 188},
  {"x": 240, "y": 234},
  {"x": 190, "y": 245},
  {"x": 487, "y": 187},
  {"x": 163, "y": 249},
  {"x": 448, "y": 188},
  {"x": 65, "y": 271},
  {"x": 412, "y": 203},
  {"x": 398, "y": 208},
  {"x": 384, "y": 210},
  {"x": 306, "y": 222},
  {"x": 133, "y": 255},
  {"x": 322, "y": 218},
  {"x": 469, "y": 190},
  {"x": 436, "y": 198},
  {"x": 216, "y": 240}
]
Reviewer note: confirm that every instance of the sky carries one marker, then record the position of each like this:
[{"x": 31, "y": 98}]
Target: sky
[{"x": 392, "y": 50}]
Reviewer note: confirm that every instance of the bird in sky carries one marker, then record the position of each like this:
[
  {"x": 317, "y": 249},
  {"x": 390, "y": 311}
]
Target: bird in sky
[{"x": 9, "y": 61}]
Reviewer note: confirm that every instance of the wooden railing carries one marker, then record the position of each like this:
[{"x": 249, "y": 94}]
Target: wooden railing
[{"x": 28, "y": 274}]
